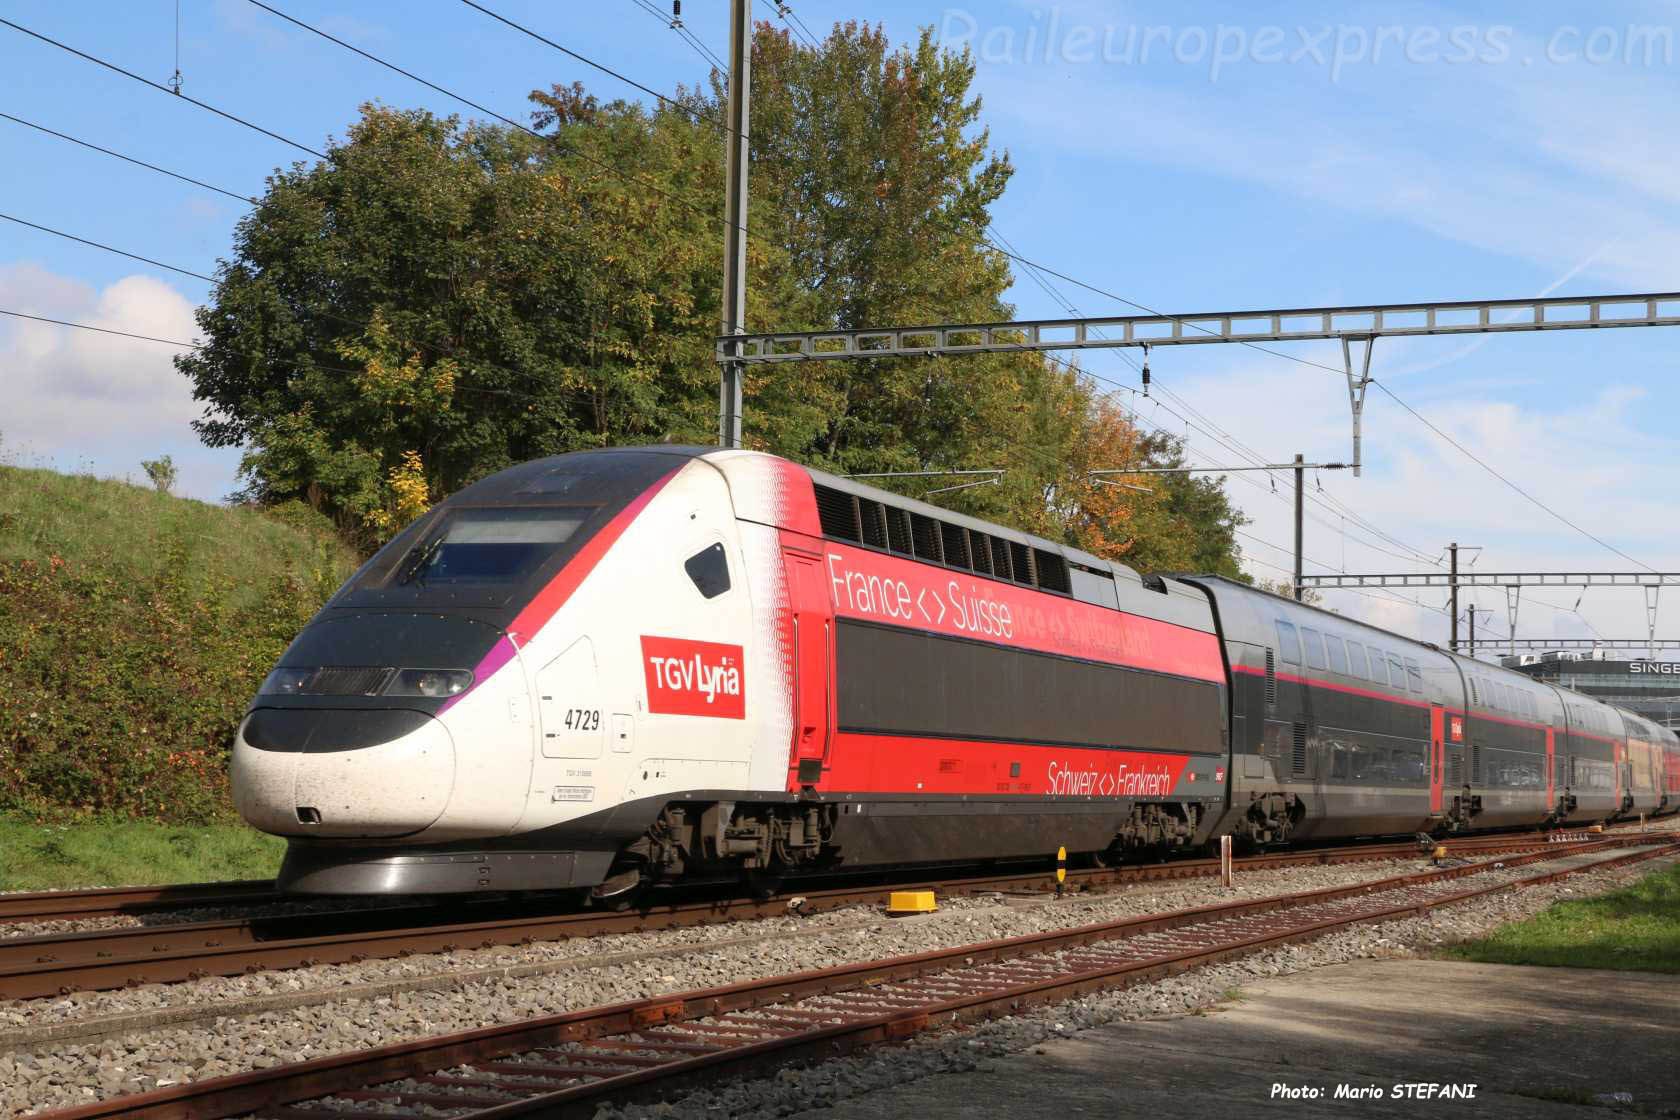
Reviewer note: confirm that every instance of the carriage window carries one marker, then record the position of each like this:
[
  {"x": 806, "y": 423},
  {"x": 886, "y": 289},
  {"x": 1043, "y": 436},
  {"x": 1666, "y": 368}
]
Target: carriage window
[
  {"x": 1378, "y": 674},
  {"x": 1414, "y": 675},
  {"x": 1356, "y": 660},
  {"x": 1289, "y": 646},
  {"x": 709, "y": 569},
  {"x": 1379, "y": 668},
  {"x": 1396, "y": 672},
  {"x": 1313, "y": 642},
  {"x": 1336, "y": 654}
]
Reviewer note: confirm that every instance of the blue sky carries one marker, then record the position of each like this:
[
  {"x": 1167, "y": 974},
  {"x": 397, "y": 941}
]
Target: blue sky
[{"x": 1319, "y": 154}]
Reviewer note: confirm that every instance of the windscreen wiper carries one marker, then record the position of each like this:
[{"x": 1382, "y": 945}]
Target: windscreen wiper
[{"x": 423, "y": 555}]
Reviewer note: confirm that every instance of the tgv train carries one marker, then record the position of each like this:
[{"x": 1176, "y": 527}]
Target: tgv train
[{"x": 615, "y": 667}]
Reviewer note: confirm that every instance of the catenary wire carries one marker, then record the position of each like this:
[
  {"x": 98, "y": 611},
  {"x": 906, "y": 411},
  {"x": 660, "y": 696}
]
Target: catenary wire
[
  {"x": 616, "y": 172},
  {"x": 1218, "y": 435},
  {"x": 796, "y": 25},
  {"x": 685, "y": 34},
  {"x": 110, "y": 249},
  {"x": 1474, "y": 458},
  {"x": 162, "y": 88},
  {"x": 101, "y": 330},
  {"x": 129, "y": 159}
]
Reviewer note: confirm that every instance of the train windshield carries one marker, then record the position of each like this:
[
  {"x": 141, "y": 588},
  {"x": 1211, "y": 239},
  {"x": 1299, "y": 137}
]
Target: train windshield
[
  {"x": 469, "y": 556},
  {"x": 492, "y": 545}
]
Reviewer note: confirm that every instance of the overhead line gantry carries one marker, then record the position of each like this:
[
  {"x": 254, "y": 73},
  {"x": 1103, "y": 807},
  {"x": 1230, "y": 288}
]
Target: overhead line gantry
[{"x": 1357, "y": 327}]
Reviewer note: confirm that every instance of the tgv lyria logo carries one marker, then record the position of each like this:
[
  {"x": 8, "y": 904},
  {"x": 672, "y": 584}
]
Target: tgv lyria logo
[{"x": 689, "y": 678}]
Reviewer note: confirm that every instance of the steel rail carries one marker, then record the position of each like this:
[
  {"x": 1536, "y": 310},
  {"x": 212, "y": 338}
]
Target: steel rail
[
  {"x": 102, "y": 960},
  {"x": 106, "y": 902},
  {"x": 630, "y": 1049}
]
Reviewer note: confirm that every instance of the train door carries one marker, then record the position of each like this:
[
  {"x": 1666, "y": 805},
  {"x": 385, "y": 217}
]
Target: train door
[
  {"x": 1551, "y": 769},
  {"x": 1624, "y": 785},
  {"x": 812, "y": 648},
  {"x": 1437, "y": 750}
]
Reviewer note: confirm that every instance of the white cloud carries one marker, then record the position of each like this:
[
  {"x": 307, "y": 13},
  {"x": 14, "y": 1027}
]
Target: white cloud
[{"x": 77, "y": 397}]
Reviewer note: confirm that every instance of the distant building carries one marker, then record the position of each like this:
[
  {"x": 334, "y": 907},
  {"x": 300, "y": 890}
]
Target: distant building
[{"x": 1648, "y": 688}]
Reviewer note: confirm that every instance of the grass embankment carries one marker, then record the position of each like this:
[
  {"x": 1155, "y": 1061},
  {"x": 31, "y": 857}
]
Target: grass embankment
[
  {"x": 134, "y": 629},
  {"x": 107, "y": 853},
  {"x": 1637, "y": 927}
]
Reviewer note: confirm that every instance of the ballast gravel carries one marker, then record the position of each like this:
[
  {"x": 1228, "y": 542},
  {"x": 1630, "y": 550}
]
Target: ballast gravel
[
  {"x": 798, "y": 1091},
  {"x": 621, "y": 967},
  {"x": 960, "y": 920}
]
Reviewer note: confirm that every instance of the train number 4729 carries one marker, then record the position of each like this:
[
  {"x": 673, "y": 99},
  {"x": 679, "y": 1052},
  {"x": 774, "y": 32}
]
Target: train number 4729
[{"x": 583, "y": 719}]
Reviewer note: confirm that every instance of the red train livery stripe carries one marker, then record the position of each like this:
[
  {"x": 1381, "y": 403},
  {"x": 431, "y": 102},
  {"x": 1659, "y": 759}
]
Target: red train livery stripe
[
  {"x": 910, "y": 765},
  {"x": 868, "y": 585}
]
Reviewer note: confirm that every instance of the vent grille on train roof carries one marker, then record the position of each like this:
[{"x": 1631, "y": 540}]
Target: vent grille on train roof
[
  {"x": 955, "y": 540},
  {"x": 874, "y": 520},
  {"x": 1020, "y": 559},
  {"x": 838, "y": 512},
  {"x": 996, "y": 550},
  {"x": 898, "y": 530},
  {"x": 924, "y": 536},
  {"x": 866, "y": 521},
  {"x": 1052, "y": 571}
]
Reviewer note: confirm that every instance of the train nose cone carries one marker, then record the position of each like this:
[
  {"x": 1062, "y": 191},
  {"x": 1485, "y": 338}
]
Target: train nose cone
[{"x": 342, "y": 773}]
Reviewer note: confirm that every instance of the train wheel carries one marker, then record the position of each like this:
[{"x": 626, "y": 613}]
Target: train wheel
[{"x": 762, "y": 885}]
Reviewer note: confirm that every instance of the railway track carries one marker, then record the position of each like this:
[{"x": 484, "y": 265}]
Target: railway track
[
  {"x": 570, "y": 1064},
  {"x": 102, "y": 960},
  {"x": 109, "y": 902}
]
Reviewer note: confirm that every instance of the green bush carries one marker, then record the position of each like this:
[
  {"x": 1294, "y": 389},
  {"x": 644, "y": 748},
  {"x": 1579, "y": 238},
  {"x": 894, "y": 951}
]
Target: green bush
[{"x": 134, "y": 629}]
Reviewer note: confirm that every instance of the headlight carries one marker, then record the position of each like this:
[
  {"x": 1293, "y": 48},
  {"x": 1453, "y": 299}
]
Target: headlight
[
  {"x": 430, "y": 682},
  {"x": 286, "y": 681}
]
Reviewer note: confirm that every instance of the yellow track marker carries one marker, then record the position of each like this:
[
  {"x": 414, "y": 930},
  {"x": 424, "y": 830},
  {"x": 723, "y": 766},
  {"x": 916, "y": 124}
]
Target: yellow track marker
[{"x": 911, "y": 902}]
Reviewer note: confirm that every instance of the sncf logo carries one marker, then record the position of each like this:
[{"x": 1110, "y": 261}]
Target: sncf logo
[{"x": 686, "y": 678}]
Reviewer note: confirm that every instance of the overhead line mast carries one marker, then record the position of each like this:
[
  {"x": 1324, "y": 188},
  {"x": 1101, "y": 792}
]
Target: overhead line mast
[{"x": 733, "y": 371}]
